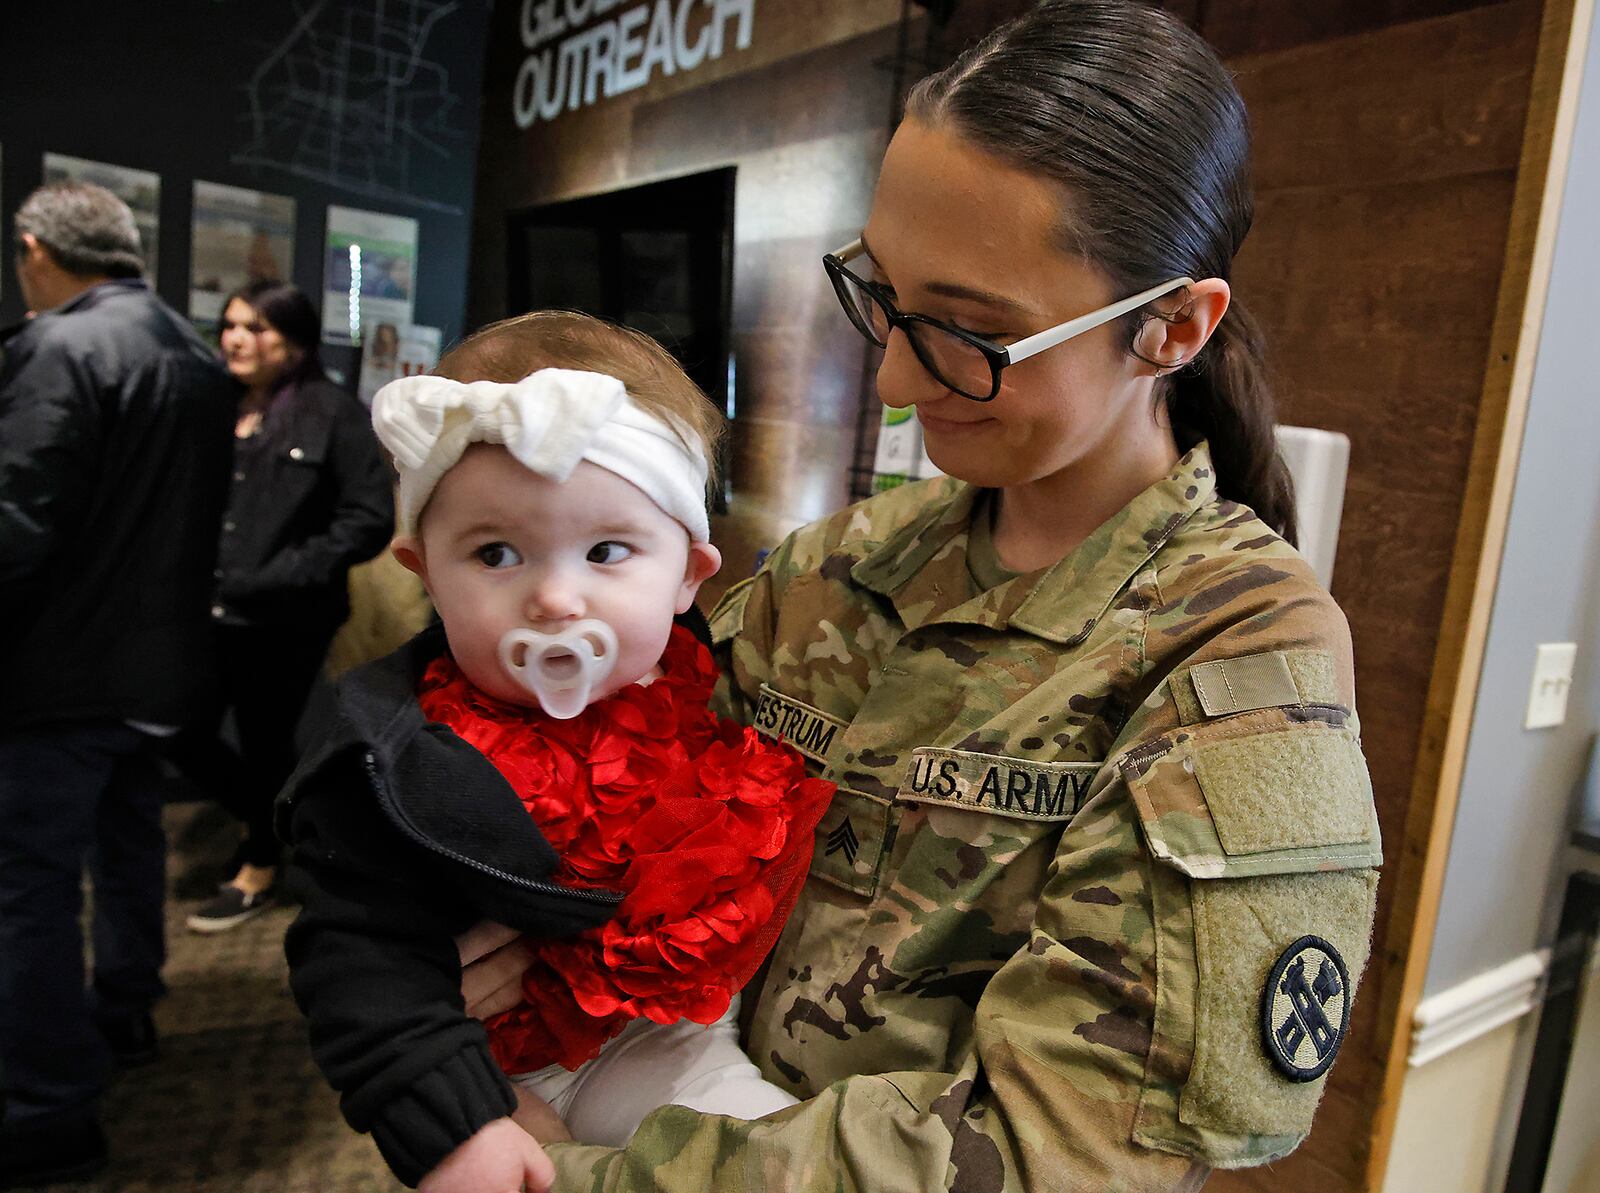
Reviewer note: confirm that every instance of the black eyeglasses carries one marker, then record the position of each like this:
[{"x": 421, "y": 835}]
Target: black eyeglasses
[{"x": 958, "y": 359}]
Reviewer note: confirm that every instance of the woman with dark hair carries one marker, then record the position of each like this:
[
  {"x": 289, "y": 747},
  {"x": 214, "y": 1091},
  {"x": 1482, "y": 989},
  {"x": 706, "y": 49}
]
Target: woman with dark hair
[
  {"x": 1090, "y": 905},
  {"x": 310, "y": 498}
]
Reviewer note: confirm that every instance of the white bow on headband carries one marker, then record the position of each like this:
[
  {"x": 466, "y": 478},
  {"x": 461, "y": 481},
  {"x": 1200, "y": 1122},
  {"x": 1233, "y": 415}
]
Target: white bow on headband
[{"x": 548, "y": 421}]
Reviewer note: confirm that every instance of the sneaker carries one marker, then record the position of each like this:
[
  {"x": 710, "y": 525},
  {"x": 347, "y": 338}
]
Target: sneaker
[
  {"x": 72, "y": 1149},
  {"x": 132, "y": 1038},
  {"x": 230, "y": 908}
]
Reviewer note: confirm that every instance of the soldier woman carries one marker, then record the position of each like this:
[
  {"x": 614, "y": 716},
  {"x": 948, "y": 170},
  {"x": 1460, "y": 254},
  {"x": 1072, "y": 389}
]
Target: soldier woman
[{"x": 1089, "y": 907}]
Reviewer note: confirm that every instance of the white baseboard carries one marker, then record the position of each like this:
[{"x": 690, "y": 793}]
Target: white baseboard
[{"x": 1477, "y": 1006}]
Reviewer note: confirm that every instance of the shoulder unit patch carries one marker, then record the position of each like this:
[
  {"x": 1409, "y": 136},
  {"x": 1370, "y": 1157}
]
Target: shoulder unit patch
[{"x": 1305, "y": 1009}]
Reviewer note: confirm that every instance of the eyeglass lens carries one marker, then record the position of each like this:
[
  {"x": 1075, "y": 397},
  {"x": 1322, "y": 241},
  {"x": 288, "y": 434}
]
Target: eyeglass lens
[{"x": 952, "y": 360}]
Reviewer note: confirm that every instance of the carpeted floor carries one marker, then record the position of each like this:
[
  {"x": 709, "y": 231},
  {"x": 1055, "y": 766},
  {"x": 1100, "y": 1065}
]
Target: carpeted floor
[{"x": 234, "y": 1104}]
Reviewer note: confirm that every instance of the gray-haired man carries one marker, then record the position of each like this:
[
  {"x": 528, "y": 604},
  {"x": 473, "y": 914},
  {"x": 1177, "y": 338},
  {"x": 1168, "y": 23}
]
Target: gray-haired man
[{"x": 114, "y": 451}]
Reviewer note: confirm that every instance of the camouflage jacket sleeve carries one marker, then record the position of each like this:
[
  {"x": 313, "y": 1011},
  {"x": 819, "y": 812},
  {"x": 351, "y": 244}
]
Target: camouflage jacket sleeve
[
  {"x": 1121, "y": 1042},
  {"x": 1231, "y": 835}
]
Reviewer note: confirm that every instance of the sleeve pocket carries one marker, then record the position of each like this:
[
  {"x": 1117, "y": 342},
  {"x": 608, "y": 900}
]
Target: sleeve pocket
[
  {"x": 1254, "y": 795},
  {"x": 1263, "y": 833}
]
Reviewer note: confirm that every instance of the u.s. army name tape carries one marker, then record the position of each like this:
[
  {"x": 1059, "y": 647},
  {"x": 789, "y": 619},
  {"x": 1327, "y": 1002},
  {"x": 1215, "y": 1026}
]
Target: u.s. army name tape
[{"x": 998, "y": 784}]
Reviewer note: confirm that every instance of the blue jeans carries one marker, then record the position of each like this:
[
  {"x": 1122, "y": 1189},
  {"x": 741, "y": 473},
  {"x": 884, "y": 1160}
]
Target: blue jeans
[{"x": 73, "y": 793}]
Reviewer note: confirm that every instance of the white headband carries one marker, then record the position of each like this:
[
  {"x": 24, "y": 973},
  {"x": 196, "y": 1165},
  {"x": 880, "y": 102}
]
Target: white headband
[{"x": 548, "y": 421}]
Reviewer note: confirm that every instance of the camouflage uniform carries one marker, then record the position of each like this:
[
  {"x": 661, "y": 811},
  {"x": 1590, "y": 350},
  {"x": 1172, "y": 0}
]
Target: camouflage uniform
[{"x": 1080, "y": 817}]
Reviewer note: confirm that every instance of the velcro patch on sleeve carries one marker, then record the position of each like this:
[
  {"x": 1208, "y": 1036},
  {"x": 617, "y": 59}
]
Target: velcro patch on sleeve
[
  {"x": 997, "y": 784},
  {"x": 1242, "y": 685},
  {"x": 1273, "y": 679},
  {"x": 807, "y": 729},
  {"x": 1289, "y": 790},
  {"x": 1235, "y": 798},
  {"x": 1242, "y": 931}
]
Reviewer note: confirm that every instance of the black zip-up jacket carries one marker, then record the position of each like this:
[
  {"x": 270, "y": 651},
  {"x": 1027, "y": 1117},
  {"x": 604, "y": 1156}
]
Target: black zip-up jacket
[
  {"x": 311, "y": 497},
  {"x": 408, "y": 836},
  {"x": 115, "y": 437}
]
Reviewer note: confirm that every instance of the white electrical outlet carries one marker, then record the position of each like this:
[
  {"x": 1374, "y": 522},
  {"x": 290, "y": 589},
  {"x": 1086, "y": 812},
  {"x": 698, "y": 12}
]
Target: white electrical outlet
[{"x": 1552, "y": 680}]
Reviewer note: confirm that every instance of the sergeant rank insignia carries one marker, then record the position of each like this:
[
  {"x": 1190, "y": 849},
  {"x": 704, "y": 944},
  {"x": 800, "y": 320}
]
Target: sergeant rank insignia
[
  {"x": 844, "y": 837},
  {"x": 1305, "y": 1009}
]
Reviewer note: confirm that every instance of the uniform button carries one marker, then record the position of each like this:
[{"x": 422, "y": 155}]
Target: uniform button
[
  {"x": 216, "y": 610},
  {"x": 227, "y": 527},
  {"x": 217, "y": 575},
  {"x": 296, "y": 454},
  {"x": 238, "y": 476}
]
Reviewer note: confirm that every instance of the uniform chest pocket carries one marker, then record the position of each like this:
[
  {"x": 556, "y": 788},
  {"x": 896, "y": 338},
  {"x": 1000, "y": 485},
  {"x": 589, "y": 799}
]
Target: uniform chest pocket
[
  {"x": 853, "y": 832},
  {"x": 851, "y": 838}
]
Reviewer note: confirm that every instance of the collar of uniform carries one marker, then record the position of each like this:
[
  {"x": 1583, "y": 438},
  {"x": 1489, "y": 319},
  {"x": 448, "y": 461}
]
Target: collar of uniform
[
  {"x": 1062, "y": 603},
  {"x": 1073, "y": 595},
  {"x": 898, "y": 564}
]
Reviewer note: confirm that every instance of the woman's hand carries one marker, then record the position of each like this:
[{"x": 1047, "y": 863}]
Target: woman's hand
[
  {"x": 539, "y": 1119},
  {"x": 500, "y": 1158},
  {"x": 493, "y": 960}
]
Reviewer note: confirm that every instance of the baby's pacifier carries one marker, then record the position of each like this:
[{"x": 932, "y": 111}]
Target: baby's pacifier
[{"x": 561, "y": 670}]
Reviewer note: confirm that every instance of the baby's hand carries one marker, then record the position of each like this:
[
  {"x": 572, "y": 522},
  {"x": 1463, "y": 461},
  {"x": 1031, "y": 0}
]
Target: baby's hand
[{"x": 500, "y": 1158}]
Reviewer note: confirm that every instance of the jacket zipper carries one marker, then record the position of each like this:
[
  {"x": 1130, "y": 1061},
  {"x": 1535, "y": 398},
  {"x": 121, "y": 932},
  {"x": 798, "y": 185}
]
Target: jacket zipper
[{"x": 548, "y": 888}]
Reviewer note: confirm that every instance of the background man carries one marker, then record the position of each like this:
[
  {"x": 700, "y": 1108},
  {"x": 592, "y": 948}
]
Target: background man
[{"x": 114, "y": 453}]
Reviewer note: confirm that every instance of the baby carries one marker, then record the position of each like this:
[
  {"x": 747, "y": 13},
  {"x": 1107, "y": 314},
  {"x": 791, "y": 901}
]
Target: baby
[{"x": 545, "y": 759}]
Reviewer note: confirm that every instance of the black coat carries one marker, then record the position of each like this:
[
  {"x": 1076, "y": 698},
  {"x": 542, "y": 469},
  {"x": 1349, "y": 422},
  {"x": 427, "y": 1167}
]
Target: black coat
[
  {"x": 407, "y": 836},
  {"x": 310, "y": 498},
  {"x": 115, "y": 438}
]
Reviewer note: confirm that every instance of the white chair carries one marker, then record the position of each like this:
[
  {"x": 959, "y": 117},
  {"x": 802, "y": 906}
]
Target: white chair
[{"x": 1319, "y": 462}]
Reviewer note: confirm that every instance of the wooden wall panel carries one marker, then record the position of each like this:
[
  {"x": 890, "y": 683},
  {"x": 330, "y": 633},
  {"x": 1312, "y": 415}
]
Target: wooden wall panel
[
  {"x": 1239, "y": 27},
  {"x": 1385, "y": 169}
]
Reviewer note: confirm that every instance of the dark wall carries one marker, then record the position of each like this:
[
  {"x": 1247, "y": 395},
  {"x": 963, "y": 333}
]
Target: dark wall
[{"x": 164, "y": 85}]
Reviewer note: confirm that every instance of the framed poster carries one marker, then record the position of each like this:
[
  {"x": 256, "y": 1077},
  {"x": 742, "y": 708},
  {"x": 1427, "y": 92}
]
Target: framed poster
[
  {"x": 369, "y": 273},
  {"x": 239, "y": 236},
  {"x": 139, "y": 189},
  {"x": 389, "y": 352}
]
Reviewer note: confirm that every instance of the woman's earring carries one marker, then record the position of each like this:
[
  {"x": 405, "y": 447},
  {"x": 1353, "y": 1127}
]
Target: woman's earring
[{"x": 1165, "y": 370}]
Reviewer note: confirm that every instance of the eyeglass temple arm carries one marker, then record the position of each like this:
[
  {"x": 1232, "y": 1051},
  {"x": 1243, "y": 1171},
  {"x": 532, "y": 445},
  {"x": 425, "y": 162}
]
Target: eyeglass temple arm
[{"x": 1050, "y": 337}]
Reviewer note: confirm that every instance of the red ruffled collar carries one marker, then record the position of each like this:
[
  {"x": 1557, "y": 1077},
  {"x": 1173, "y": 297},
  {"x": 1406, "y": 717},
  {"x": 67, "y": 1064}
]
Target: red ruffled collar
[{"x": 704, "y": 825}]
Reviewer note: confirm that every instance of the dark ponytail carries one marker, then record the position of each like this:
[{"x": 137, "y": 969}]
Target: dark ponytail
[
  {"x": 1135, "y": 115},
  {"x": 1223, "y": 397}
]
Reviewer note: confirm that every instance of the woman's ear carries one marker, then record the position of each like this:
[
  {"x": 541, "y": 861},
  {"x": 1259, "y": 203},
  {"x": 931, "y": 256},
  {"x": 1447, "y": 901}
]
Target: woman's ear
[
  {"x": 1191, "y": 318},
  {"x": 704, "y": 560},
  {"x": 407, "y": 548}
]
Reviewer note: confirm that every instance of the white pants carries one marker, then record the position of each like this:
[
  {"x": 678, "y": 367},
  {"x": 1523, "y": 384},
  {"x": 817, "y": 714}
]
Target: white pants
[{"x": 650, "y": 1065}]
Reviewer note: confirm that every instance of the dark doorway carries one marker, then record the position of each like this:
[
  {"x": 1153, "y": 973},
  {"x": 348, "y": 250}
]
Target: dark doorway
[{"x": 657, "y": 258}]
